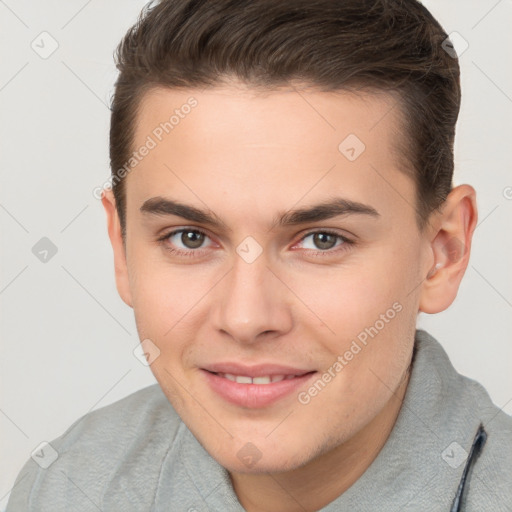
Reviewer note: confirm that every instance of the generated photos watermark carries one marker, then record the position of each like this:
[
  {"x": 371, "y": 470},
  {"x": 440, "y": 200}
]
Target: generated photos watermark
[{"x": 355, "y": 348}]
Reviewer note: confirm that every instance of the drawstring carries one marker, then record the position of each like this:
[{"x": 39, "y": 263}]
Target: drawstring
[{"x": 476, "y": 448}]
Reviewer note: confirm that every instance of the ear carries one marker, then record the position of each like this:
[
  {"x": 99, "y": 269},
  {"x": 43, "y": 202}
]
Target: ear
[
  {"x": 450, "y": 246},
  {"x": 116, "y": 239}
]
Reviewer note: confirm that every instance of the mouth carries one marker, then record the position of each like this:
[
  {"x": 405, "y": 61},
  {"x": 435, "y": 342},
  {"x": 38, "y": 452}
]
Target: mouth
[{"x": 256, "y": 391}]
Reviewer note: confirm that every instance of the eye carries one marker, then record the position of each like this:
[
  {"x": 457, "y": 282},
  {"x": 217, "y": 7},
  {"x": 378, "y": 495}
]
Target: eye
[
  {"x": 185, "y": 240},
  {"x": 191, "y": 242},
  {"x": 324, "y": 241}
]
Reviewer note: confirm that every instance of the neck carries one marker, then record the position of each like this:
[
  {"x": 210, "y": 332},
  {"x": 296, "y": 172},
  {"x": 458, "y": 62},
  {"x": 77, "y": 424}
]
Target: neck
[{"x": 323, "y": 479}]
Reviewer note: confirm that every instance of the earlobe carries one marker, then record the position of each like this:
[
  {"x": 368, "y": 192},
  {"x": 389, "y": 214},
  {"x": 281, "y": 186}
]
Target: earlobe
[
  {"x": 114, "y": 233},
  {"x": 450, "y": 247}
]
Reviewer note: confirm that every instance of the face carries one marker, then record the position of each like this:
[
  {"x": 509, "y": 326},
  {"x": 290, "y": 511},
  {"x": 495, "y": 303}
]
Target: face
[{"x": 265, "y": 242}]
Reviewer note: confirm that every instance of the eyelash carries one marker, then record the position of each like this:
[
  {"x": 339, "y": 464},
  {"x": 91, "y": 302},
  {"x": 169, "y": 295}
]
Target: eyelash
[{"x": 347, "y": 243}]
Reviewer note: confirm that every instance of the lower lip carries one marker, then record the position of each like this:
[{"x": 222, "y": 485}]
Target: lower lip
[{"x": 254, "y": 395}]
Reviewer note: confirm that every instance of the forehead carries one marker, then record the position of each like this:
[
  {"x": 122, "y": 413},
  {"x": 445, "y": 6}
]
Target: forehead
[
  {"x": 233, "y": 143},
  {"x": 239, "y": 114}
]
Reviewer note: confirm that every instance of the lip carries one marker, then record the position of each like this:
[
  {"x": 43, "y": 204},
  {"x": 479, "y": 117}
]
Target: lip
[{"x": 256, "y": 396}]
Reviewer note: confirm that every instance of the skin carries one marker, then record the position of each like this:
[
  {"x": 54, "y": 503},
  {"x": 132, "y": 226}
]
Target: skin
[{"x": 248, "y": 157}]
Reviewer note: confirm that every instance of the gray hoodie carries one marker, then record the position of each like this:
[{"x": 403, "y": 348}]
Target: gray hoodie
[{"x": 450, "y": 450}]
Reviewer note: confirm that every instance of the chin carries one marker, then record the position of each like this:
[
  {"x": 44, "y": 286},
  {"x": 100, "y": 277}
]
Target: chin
[
  {"x": 262, "y": 466},
  {"x": 250, "y": 460}
]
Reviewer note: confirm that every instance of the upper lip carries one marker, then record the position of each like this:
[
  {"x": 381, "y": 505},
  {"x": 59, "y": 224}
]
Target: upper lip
[{"x": 258, "y": 370}]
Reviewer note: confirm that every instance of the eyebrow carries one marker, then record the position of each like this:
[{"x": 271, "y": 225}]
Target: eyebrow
[{"x": 160, "y": 206}]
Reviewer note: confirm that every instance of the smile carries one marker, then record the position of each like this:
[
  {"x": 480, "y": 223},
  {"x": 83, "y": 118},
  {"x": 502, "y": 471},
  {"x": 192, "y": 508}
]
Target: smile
[{"x": 255, "y": 392}]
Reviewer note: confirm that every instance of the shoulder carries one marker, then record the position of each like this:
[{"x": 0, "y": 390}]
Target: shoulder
[
  {"x": 81, "y": 464},
  {"x": 491, "y": 479},
  {"x": 121, "y": 423},
  {"x": 455, "y": 406}
]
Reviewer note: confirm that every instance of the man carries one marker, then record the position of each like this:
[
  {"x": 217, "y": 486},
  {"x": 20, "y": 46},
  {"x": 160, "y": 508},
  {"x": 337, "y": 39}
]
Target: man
[{"x": 282, "y": 210}]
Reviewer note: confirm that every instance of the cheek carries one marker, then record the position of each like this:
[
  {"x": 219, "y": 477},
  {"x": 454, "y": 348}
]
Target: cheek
[
  {"x": 363, "y": 314},
  {"x": 162, "y": 292},
  {"x": 348, "y": 298},
  {"x": 170, "y": 304}
]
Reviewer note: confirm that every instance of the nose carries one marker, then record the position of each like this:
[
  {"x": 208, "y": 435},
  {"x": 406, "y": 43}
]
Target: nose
[{"x": 252, "y": 304}]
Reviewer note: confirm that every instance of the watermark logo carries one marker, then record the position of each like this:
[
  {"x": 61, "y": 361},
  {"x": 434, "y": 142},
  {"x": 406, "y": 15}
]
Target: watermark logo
[
  {"x": 44, "y": 455},
  {"x": 44, "y": 250},
  {"x": 454, "y": 455},
  {"x": 147, "y": 352},
  {"x": 351, "y": 147},
  {"x": 454, "y": 250},
  {"x": 45, "y": 45},
  {"x": 249, "y": 249},
  {"x": 454, "y": 45},
  {"x": 249, "y": 454}
]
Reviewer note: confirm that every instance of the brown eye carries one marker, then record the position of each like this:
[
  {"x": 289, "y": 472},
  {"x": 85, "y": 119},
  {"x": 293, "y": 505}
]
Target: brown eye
[
  {"x": 186, "y": 240},
  {"x": 324, "y": 240},
  {"x": 192, "y": 239}
]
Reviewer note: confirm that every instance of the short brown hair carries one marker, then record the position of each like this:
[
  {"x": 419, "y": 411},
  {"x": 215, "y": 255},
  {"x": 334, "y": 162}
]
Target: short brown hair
[{"x": 392, "y": 46}]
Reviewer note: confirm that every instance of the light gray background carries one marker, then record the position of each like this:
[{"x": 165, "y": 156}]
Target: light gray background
[{"x": 67, "y": 338}]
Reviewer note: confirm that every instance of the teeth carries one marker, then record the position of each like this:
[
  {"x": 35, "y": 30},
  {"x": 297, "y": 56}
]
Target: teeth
[
  {"x": 261, "y": 380},
  {"x": 243, "y": 379}
]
